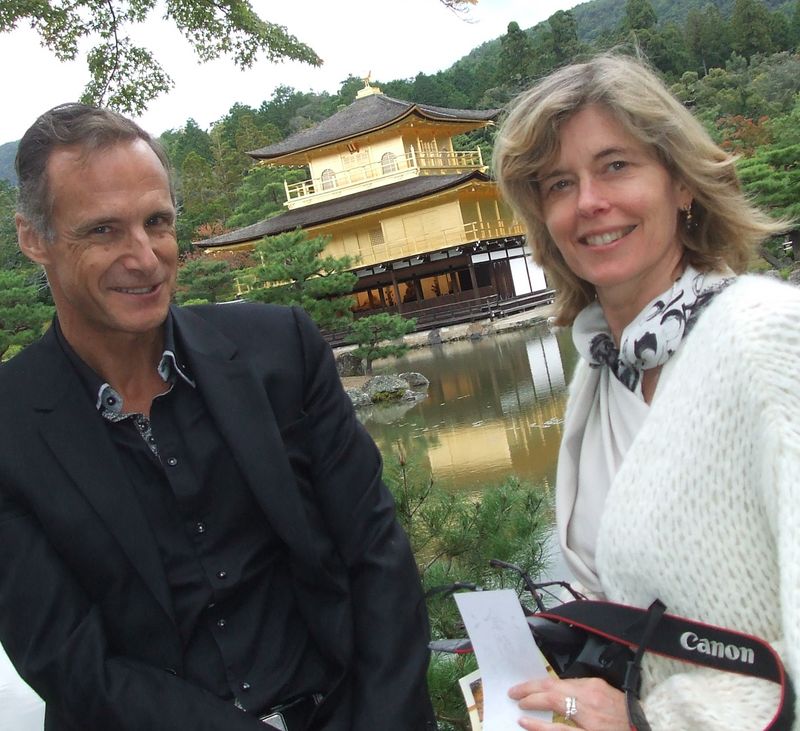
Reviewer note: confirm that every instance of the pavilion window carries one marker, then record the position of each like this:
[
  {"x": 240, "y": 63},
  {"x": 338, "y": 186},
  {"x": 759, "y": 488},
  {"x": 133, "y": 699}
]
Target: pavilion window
[
  {"x": 328, "y": 179},
  {"x": 376, "y": 237},
  {"x": 388, "y": 163}
]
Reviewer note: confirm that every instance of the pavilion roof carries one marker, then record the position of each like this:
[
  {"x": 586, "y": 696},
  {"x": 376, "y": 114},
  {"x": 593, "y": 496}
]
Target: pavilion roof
[
  {"x": 345, "y": 207},
  {"x": 364, "y": 115}
]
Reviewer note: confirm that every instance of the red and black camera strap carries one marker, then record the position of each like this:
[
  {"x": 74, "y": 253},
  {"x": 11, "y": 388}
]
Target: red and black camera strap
[{"x": 653, "y": 630}]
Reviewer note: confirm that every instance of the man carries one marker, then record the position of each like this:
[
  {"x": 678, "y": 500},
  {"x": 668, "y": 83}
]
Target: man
[{"x": 193, "y": 529}]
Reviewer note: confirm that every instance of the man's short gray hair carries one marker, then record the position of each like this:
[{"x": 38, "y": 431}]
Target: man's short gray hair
[{"x": 87, "y": 127}]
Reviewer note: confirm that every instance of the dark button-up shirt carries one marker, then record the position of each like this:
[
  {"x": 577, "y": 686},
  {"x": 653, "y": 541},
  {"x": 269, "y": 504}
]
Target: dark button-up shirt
[{"x": 227, "y": 571}]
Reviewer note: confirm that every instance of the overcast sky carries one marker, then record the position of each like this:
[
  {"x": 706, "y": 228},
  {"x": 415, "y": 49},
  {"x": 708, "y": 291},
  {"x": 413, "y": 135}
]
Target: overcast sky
[{"x": 391, "y": 40}]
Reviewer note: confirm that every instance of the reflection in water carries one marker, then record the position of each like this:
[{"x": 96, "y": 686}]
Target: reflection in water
[{"x": 494, "y": 408}]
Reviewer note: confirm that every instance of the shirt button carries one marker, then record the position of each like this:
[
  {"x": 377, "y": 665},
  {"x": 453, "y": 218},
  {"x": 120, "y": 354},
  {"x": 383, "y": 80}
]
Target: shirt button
[
  {"x": 200, "y": 528},
  {"x": 221, "y": 623},
  {"x": 172, "y": 461},
  {"x": 222, "y": 574},
  {"x": 245, "y": 686}
]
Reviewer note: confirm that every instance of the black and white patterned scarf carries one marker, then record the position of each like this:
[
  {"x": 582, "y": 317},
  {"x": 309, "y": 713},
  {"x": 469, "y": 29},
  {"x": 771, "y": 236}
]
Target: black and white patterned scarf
[{"x": 654, "y": 334}]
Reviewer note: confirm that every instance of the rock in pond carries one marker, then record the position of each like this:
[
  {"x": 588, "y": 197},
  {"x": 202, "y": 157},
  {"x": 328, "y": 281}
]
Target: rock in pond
[{"x": 385, "y": 388}]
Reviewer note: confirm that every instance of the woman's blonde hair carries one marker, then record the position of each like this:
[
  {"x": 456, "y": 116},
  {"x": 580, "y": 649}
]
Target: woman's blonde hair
[{"x": 725, "y": 227}]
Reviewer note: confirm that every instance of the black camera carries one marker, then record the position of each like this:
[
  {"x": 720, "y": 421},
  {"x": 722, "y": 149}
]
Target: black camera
[{"x": 575, "y": 653}]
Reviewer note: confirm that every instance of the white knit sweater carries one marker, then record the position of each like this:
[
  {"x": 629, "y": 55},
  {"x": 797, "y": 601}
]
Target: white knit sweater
[{"x": 704, "y": 512}]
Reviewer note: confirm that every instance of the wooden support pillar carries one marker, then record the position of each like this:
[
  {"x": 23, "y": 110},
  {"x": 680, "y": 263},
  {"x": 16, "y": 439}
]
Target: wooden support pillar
[
  {"x": 472, "y": 277},
  {"x": 397, "y": 298},
  {"x": 452, "y": 282},
  {"x": 493, "y": 276}
]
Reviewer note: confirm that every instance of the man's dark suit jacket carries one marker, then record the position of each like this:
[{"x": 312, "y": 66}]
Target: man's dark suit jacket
[{"x": 85, "y": 609}]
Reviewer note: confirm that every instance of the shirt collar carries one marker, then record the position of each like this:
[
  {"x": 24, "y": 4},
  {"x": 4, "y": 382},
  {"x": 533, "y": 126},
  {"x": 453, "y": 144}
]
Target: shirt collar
[
  {"x": 170, "y": 364},
  {"x": 170, "y": 367}
]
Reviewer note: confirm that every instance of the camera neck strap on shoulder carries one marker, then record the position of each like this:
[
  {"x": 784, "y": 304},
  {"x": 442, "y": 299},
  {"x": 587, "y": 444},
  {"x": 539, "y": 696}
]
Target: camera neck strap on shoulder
[{"x": 653, "y": 630}]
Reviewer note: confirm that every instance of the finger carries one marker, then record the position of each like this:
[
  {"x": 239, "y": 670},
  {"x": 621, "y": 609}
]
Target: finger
[
  {"x": 530, "y": 686},
  {"x": 518, "y": 692}
]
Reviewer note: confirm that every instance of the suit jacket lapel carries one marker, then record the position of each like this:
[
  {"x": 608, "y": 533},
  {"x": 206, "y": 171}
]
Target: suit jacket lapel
[
  {"x": 243, "y": 413},
  {"x": 75, "y": 433}
]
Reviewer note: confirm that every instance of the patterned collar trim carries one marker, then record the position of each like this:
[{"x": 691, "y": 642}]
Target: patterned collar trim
[{"x": 109, "y": 402}]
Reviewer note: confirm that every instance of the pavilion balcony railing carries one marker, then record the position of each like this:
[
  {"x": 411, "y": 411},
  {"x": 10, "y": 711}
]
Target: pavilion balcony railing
[
  {"x": 468, "y": 233},
  {"x": 399, "y": 167},
  {"x": 399, "y": 248}
]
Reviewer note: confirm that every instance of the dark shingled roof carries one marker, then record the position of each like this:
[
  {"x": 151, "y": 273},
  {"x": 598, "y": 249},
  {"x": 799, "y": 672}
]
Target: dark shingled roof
[
  {"x": 346, "y": 206},
  {"x": 362, "y": 116}
]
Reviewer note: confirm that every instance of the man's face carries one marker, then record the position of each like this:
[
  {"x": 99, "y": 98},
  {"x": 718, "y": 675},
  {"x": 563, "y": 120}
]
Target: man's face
[{"x": 113, "y": 260}]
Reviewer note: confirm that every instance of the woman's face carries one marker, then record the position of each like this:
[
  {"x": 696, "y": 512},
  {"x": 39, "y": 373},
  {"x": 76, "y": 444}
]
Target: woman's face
[{"x": 612, "y": 210}]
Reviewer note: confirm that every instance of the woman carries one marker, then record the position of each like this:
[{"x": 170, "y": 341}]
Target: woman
[{"x": 680, "y": 461}]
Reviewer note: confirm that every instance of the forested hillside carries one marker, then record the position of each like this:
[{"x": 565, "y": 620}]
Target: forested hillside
[{"x": 602, "y": 16}]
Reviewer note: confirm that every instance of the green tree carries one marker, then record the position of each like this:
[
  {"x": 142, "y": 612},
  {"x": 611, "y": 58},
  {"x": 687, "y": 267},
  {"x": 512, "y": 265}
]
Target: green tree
[
  {"x": 23, "y": 316},
  {"x": 780, "y": 31},
  {"x": 190, "y": 138},
  {"x": 751, "y": 30},
  {"x": 794, "y": 24},
  {"x": 292, "y": 269},
  {"x": 639, "y": 15},
  {"x": 199, "y": 198},
  {"x": 427, "y": 89},
  {"x": 565, "y": 35},
  {"x": 205, "y": 278},
  {"x": 10, "y": 255},
  {"x": 261, "y": 193},
  {"x": 127, "y": 77},
  {"x": 516, "y": 57},
  {"x": 373, "y": 335},
  {"x": 772, "y": 177},
  {"x": 348, "y": 90},
  {"x": 282, "y": 107},
  {"x": 708, "y": 37},
  {"x": 667, "y": 49}
]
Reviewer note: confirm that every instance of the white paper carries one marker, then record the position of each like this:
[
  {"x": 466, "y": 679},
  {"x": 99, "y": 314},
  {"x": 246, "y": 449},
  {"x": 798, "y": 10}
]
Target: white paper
[{"x": 505, "y": 651}]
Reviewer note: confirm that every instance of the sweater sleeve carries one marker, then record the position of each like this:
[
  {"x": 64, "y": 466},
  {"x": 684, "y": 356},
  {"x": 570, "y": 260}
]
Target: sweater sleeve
[{"x": 713, "y": 700}]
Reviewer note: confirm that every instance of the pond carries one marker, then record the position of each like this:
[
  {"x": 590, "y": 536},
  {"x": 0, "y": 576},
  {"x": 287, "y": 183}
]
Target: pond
[{"x": 495, "y": 408}]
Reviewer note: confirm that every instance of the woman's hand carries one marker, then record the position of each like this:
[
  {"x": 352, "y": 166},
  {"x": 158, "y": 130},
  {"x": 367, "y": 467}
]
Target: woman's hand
[{"x": 597, "y": 706}]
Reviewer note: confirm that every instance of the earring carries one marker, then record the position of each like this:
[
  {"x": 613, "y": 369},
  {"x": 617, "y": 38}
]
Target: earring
[{"x": 687, "y": 212}]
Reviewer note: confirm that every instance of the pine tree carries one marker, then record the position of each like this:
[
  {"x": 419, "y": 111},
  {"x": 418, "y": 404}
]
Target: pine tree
[
  {"x": 205, "y": 279},
  {"x": 708, "y": 38},
  {"x": 565, "y": 36},
  {"x": 23, "y": 316},
  {"x": 292, "y": 269},
  {"x": 10, "y": 255},
  {"x": 639, "y": 15},
  {"x": 373, "y": 335},
  {"x": 516, "y": 57},
  {"x": 750, "y": 28},
  {"x": 453, "y": 536},
  {"x": 794, "y": 25}
]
